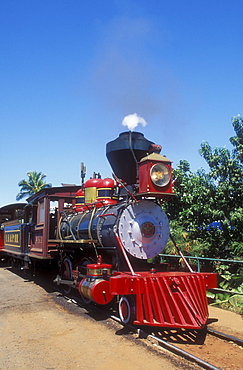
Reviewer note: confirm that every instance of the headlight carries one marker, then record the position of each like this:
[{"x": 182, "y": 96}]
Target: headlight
[{"x": 160, "y": 174}]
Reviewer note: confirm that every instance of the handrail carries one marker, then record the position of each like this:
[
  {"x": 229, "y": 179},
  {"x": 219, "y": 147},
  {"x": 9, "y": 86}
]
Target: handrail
[{"x": 201, "y": 258}]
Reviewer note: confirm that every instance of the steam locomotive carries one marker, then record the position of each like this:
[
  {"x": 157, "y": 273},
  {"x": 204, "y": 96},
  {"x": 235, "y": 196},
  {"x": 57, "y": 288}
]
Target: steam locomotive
[{"x": 104, "y": 235}]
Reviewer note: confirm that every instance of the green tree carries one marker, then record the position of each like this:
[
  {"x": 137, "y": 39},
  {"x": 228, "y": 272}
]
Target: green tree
[
  {"x": 194, "y": 190},
  {"x": 227, "y": 173},
  {"x": 31, "y": 186},
  {"x": 191, "y": 210},
  {"x": 237, "y": 141},
  {"x": 207, "y": 212},
  {"x": 226, "y": 170}
]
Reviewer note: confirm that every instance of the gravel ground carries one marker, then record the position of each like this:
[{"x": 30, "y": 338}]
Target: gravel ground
[{"x": 38, "y": 333}]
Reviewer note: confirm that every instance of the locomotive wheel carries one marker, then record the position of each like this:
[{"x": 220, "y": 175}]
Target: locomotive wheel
[
  {"x": 126, "y": 310},
  {"x": 66, "y": 273}
]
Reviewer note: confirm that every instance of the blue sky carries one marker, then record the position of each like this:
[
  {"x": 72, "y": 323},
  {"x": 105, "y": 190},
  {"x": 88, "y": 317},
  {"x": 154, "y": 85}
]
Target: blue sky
[{"x": 70, "y": 70}]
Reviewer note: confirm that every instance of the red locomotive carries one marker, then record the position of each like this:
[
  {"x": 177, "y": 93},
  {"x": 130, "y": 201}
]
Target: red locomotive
[{"x": 103, "y": 235}]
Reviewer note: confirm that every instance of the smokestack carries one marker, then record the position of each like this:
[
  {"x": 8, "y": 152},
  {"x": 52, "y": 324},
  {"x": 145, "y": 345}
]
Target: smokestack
[{"x": 124, "y": 152}]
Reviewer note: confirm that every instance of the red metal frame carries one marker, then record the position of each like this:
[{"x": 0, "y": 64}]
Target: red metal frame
[{"x": 167, "y": 299}]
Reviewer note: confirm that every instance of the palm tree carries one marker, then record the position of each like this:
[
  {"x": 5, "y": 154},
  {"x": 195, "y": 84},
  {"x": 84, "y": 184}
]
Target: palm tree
[{"x": 31, "y": 186}]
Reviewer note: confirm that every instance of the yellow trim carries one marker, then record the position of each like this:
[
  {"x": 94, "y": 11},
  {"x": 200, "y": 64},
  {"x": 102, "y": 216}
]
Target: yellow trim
[
  {"x": 11, "y": 231},
  {"x": 12, "y": 245},
  {"x": 12, "y": 236},
  {"x": 104, "y": 189}
]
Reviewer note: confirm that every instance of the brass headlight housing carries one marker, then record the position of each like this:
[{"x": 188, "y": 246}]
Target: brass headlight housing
[{"x": 160, "y": 174}]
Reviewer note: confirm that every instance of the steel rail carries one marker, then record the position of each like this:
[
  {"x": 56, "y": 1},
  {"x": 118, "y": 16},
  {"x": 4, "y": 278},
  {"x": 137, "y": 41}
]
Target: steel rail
[
  {"x": 171, "y": 347},
  {"x": 183, "y": 353},
  {"x": 224, "y": 336}
]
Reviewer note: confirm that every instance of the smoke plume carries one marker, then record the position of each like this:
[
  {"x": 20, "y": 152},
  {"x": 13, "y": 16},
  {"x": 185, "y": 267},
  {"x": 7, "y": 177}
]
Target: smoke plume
[{"x": 132, "y": 120}]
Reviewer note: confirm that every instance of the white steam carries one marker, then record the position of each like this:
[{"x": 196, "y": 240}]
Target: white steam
[{"x": 132, "y": 120}]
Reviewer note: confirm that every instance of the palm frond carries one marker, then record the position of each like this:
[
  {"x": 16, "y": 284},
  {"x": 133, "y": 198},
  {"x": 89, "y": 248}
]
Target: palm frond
[{"x": 31, "y": 186}]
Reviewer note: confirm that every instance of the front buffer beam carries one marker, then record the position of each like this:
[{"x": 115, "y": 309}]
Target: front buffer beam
[{"x": 166, "y": 299}]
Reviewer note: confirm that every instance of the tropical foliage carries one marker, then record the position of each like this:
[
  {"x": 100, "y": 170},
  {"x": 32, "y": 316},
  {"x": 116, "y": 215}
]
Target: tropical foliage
[
  {"x": 230, "y": 295},
  {"x": 31, "y": 186},
  {"x": 208, "y": 209}
]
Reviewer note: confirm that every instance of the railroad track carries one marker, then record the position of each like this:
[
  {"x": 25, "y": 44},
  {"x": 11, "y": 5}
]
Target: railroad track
[
  {"x": 159, "y": 342},
  {"x": 198, "y": 344},
  {"x": 226, "y": 337},
  {"x": 198, "y": 347},
  {"x": 189, "y": 355},
  {"x": 180, "y": 352}
]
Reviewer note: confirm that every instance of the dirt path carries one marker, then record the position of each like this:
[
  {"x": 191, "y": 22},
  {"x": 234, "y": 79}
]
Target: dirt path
[{"x": 36, "y": 333}]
